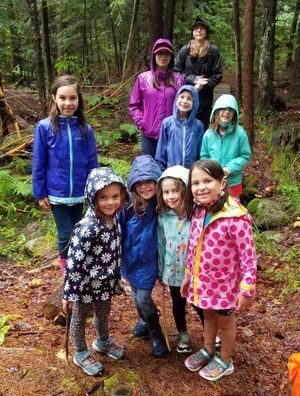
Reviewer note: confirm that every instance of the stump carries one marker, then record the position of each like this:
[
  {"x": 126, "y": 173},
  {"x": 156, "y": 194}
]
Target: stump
[{"x": 52, "y": 309}]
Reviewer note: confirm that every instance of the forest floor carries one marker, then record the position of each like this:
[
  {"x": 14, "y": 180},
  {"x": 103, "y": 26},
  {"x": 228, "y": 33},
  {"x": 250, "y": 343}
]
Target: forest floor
[{"x": 32, "y": 359}]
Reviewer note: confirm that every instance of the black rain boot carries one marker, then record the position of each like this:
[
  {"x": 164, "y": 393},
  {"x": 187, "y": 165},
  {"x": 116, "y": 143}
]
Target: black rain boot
[{"x": 158, "y": 343}]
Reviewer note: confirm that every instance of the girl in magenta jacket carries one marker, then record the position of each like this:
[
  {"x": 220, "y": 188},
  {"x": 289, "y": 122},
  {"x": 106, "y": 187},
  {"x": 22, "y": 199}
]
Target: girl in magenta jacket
[
  {"x": 153, "y": 94},
  {"x": 221, "y": 265}
]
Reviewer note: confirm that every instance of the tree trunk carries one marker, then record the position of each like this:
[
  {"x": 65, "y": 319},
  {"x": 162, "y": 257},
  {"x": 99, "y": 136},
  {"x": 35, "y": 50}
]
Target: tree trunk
[
  {"x": 238, "y": 54},
  {"x": 46, "y": 40},
  {"x": 156, "y": 25},
  {"x": 114, "y": 38},
  {"x": 248, "y": 97},
  {"x": 32, "y": 5},
  {"x": 135, "y": 11},
  {"x": 295, "y": 77},
  {"x": 290, "y": 44},
  {"x": 266, "y": 61},
  {"x": 84, "y": 36},
  {"x": 169, "y": 18}
]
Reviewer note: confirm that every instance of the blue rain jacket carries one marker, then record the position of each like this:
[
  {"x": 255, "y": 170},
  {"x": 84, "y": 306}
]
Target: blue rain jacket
[{"x": 180, "y": 140}]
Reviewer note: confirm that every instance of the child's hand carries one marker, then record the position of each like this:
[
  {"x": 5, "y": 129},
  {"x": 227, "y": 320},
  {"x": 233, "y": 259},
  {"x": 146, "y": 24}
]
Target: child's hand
[
  {"x": 44, "y": 203},
  {"x": 243, "y": 303},
  {"x": 67, "y": 306},
  {"x": 184, "y": 287}
]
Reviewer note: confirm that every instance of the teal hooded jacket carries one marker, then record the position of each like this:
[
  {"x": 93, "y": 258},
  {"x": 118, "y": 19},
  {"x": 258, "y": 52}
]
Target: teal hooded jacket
[{"x": 232, "y": 150}]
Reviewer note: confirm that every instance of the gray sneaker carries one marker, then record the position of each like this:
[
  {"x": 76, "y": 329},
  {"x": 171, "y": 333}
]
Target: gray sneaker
[
  {"x": 88, "y": 363},
  {"x": 183, "y": 343},
  {"x": 109, "y": 348}
]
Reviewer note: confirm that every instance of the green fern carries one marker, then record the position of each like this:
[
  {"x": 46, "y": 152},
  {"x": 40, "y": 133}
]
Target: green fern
[{"x": 120, "y": 166}]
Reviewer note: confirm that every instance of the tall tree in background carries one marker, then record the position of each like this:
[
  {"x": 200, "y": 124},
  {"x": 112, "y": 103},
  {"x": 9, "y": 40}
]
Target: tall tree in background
[
  {"x": 156, "y": 25},
  {"x": 46, "y": 41},
  {"x": 169, "y": 19},
  {"x": 136, "y": 4},
  {"x": 117, "y": 59},
  {"x": 295, "y": 75},
  {"x": 32, "y": 6},
  {"x": 266, "y": 61},
  {"x": 248, "y": 95},
  {"x": 290, "y": 44},
  {"x": 238, "y": 53}
]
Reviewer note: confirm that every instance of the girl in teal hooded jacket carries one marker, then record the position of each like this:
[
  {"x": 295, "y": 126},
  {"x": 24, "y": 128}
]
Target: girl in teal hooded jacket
[{"x": 227, "y": 142}]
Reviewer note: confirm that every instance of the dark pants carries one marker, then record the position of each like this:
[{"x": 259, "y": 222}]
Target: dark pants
[
  {"x": 200, "y": 313},
  {"x": 65, "y": 218},
  {"x": 204, "y": 116},
  {"x": 179, "y": 304},
  {"x": 148, "y": 145}
]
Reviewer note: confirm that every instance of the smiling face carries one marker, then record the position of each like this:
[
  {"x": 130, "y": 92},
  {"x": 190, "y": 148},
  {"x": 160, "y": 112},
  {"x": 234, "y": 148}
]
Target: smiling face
[
  {"x": 204, "y": 187},
  {"x": 199, "y": 32},
  {"x": 67, "y": 100},
  {"x": 170, "y": 193},
  {"x": 162, "y": 59},
  {"x": 109, "y": 199},
  {"x": 226, "y": 115},
  {"x": 146, "y": 189},
  {"x": 184, "y": 103}
]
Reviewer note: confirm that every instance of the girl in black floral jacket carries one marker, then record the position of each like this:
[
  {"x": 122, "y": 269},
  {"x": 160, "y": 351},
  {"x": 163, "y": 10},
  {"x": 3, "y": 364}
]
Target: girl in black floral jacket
[{"x": 93, "y": 267}]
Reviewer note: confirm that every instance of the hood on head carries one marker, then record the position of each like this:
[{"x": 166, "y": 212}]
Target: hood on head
[
  {"x": 195, "y": 96},
  {"x": 200, "y": 21},
  {"x": 177, "y": 172},
  {"x": 163, "y": 44},
  {"x": 144, "y": 168},
  {"x": 224, "y": 101},
  {"x": 97, "y": 179}
]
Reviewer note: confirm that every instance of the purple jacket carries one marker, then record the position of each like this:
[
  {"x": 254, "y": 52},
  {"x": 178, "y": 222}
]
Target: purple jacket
[{"x": 148, "y": 105}]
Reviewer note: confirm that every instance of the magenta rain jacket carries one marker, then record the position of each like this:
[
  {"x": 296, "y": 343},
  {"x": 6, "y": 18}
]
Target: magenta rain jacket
[{"x": 148, "y": 105}]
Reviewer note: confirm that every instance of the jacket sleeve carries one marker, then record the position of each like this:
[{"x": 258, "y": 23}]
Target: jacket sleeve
[
  {"x": 200, "y": 133},
  {"x": 161, "y": 246},
  {"x": 238, "y": 163},
  {"x": 180, "y": 65},
  {"x": 78, "y": 251},
  {"x": 216, "y": 73},
  {"x": 136, "y": 103},
  {"x": 161, "y": 156},
  {"x": 204, "y": 147},
  {"x": 39, "y": 163},
  {"x": 241, "y": 233},
  {"x": 93, "y": 160}
]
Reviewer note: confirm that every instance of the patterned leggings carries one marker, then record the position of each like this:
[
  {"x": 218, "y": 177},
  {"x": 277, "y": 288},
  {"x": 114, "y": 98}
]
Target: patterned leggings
[{"x": 78, "y": 320}]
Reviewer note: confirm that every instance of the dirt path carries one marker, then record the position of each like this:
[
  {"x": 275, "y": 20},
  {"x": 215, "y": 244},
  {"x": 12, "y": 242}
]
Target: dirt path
[{"x": 30, "y": 362}]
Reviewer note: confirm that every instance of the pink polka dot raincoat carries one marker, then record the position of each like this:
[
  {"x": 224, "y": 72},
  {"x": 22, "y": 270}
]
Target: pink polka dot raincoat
[{"x": 221, "y": 261}]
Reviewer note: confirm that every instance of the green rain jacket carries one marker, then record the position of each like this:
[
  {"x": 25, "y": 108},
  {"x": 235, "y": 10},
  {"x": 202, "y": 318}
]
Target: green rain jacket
[{"x": 232, "y": 150}]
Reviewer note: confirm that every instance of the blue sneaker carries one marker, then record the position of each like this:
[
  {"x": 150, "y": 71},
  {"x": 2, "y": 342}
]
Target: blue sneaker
[
  {"x": 88, "y": 363},
  {"x": 140, "y": 329},
  {"x": 109, "y": 348}
]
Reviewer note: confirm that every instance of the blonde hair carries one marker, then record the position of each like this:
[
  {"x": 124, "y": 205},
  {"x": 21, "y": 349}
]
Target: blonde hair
[
  {"x": 216, "y": 118},
  {"x": 197, "y": 51},
  {"x": 139, "y": 203}
]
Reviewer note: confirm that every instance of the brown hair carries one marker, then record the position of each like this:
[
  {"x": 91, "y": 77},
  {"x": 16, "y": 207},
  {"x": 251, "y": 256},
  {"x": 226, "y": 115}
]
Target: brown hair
[
  {"x": 180, "y": 187},
  {"x": 59, "y": 82},
  {"x": 169, "y": 82},
  {"x": 139, "y": 203},
  {"x": 215, "y": 170},
  {"x": 124, "y": 197},
  {"x": 216, "y": 118},
  {"x": 197, "y": 51}
]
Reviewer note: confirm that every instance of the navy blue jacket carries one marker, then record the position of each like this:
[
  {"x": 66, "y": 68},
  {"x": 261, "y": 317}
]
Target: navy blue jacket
[
  {"x": 180, "y": 140},
  {"x": 62, "y": 160},
  {"x": 139, "y": 236}
]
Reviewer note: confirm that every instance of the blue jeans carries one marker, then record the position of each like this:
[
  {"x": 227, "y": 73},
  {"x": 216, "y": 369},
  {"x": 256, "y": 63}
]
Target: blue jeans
[
  {"x": 65, "y": 218},
  {"x": 145, "y": 306},
  {"x": 148, "y": 145}
]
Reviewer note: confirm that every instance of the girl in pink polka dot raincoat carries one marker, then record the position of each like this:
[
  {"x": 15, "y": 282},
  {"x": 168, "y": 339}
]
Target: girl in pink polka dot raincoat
[{"x": 220, "y": 272}]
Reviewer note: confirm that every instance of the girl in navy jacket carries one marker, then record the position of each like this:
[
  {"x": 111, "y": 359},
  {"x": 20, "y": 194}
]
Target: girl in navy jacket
[
  {"x": 139, "y": 248},
  {"x": 64, "y": 152}
]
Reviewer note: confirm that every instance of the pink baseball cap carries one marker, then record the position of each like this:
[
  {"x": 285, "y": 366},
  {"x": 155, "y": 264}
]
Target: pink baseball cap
[{"x": 163, "y": 48}]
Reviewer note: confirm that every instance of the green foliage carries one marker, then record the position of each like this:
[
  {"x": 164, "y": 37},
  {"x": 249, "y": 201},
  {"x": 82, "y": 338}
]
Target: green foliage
[
  {"x": 69, "y": 64},
  {"x": 120, "y": 166},
  {"x": 106, "y": 138},
  {"x": 4, "y": 328},
  {"x": 130, "y": 133}
]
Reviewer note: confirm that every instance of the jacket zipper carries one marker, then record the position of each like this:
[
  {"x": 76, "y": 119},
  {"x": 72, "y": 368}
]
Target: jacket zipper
[
  {"x": 71, "y": 158},
  {"x": 183, "y": 145}
]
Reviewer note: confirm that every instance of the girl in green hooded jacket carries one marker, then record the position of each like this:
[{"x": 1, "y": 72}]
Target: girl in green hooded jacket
[{"x": 227, "y": 142}]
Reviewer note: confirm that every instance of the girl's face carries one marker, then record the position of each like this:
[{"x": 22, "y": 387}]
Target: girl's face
[
  {"x": 204, "y": 187},
  {"x": 199, "y": 32},
  {"x": 67, "y": 100},
  {"x": 146, "y": 189},
  {"x": 162, "y": 59},
  {"x": 109, "y": 199},
  {"x": 170, "y": 193},
  {"x": 184, "y": 103},
  {"x": 226, "y": 115}
]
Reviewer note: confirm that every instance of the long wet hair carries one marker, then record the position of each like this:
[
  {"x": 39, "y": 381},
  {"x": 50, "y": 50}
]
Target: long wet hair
[
  {"x": 215, "y": 170},
  {"x": 162, "y": 207},
  {"x": 54, "y": 113}
]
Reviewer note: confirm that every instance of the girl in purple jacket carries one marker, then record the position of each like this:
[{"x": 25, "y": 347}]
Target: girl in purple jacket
[
  {"x": 220, "y": 270},
  {"x": 153, "y": 94}
]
